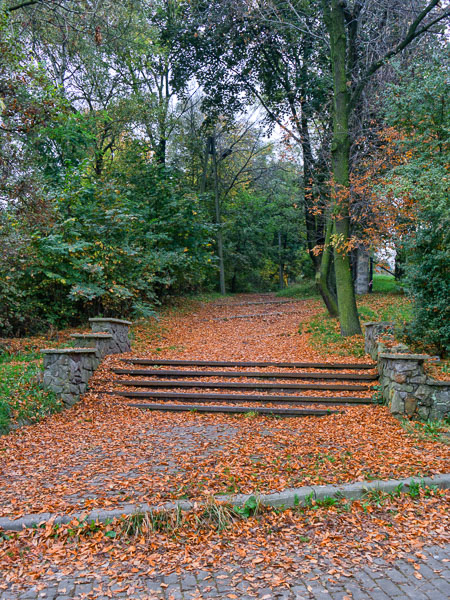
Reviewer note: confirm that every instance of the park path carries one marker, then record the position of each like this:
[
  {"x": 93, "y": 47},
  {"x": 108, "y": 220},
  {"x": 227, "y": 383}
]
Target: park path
[
  {"x": 101, "y": 454},
  {"x": 409, "y": 578}
]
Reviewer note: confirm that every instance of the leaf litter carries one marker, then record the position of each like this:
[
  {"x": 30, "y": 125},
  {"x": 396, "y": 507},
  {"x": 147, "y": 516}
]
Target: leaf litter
[{"x": 101, "y": 453}]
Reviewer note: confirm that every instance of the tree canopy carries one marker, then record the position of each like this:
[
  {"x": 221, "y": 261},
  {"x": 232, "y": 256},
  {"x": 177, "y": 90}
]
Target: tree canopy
[{"x": 161, "y": 147}]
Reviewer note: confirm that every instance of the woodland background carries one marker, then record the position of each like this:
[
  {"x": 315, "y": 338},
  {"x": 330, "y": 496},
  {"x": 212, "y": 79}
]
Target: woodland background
[{"x": 159, "y": 148}]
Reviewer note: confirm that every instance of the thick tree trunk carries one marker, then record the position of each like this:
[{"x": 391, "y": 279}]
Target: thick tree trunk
[
  {"x": 340, "y": 150},
  {"x": 322, "y": 274}
]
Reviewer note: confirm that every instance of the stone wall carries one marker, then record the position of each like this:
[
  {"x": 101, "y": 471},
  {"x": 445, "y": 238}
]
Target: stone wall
[
  {"x": 67, "y": 370},
  {"x": 372, "y": 332},
  {"x": 405, "y": 386},
  {"x": 104, "y": 342},
  {"x": 118, "y": 328}
]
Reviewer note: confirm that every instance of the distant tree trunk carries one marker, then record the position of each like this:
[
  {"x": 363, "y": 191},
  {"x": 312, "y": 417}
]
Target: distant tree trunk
[
  {"x": 280, "y": 263},
  {"x": 218, "y": 219},
  {"x": 160, "y": 153},
  {"x": 340, "y": 151},
  {"x": 362, "y": 271}
]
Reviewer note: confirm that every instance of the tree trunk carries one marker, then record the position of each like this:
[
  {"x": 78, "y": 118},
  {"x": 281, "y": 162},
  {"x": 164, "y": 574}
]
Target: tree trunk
[
  {"x": 340, "y": 151},
  {"x": 362, "y": 271},
  {"x": 218, "y": 220},
  {"x": 280, "y": 263},
  {"x": 322, "y": 274}
]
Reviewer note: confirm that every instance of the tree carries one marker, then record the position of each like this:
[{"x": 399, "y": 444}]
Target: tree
[
  {"x": 244, "y": 54},
  {"x": 250, "y": 47},
  {"x": 343, "y": 20}
]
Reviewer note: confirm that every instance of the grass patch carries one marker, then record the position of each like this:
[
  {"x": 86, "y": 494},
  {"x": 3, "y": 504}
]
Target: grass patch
[
  {"x": 437, "y": 431},
  {"x": 385, "y": 284},
  {"x": 304, "y": 289},
  {"x": 22, "y": 399},
  {"x": 325, "y": 334}
]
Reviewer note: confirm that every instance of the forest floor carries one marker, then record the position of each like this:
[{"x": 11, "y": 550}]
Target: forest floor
[{"x": 102, "y": 453}]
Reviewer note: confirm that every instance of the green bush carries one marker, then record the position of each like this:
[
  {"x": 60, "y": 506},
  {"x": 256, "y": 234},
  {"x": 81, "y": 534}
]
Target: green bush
[
  {"x": 428, "y": 283},
  {"x": 111, "y": 248}
]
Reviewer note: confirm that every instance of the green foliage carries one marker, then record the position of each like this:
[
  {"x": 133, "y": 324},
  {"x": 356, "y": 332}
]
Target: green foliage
[
  {"x": 428, "y": 283},
  {"x": 249, "y": 509},
  {"x": 22, "y": 398},
  {"x": 114, "y": 248},
  {"x": 418, "y": 107}
]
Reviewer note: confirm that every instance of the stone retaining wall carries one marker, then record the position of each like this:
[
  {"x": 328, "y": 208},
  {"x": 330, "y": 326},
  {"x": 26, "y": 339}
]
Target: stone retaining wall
[
  {"x": 372, "y": 332},
  {"x": 104, "y": 342},
  {"x": 118, "y": 328},
  {"x": 405, "y": 387},
  {"x": 67, "y": 370}
]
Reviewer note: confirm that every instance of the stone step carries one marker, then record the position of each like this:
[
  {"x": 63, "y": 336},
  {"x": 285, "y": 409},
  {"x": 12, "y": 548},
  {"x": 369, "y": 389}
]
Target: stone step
[
  {"x": 209, "y": 397},
  {"x": 233, "y": 363},
  {"x": 251, "y": 374},
  {"x": 165, "y": 383},
  {"x": 285, "y": 412}
]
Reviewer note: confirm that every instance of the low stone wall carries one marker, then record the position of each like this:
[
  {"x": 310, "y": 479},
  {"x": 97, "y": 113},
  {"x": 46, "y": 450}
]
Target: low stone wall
[
  {"x": 104, "y": 342},
  {"x": 408, "y": 390},
  {"x": 67, "y": 371},
  {"x": 372, "y": 331},
  {"x": 405, "y": 387},
  {"x": 118, "y": 328}
]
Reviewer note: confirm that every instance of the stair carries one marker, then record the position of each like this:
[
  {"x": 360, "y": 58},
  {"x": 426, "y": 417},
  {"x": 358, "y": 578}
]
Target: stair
[
  {"x": 286, "y": 412},
  {"x": 253, "y": 374},
  {"x": 232, "y": 363},
  {"x": 236, "y": 398},
  {"x": 193, "y": 393}
]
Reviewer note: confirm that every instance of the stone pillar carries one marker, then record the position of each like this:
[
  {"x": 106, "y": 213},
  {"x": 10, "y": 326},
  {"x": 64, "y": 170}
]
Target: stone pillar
[
  {"x": 104, "y": 342},
  {"x": 68, "y": 370},
  {"x": 362, "y": 271},
  {"x": 118, "y": 328},
  {"x": 372, "y": 331}
]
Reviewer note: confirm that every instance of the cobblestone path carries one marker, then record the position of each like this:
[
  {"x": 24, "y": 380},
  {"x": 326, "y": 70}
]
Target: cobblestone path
[{"x": 409, "y": 578}]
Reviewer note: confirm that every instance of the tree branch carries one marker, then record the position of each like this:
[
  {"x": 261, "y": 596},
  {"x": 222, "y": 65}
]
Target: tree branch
[
  {"x": 412, "y": 34},
  {"x": 23, "y": 5}
]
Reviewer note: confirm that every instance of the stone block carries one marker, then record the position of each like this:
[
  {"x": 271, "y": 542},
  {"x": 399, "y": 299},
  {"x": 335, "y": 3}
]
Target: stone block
[
  {"x": 397, "y": 404},
  {"x": 424, "y": 412},
  {"x": 400, "y": 378},
  {"x": 410, "y": 406},
  {"x": 423, "y": 392}
]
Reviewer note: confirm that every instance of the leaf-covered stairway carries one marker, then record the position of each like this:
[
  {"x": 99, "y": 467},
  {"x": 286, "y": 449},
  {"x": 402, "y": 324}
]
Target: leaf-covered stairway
[{"x": 242, "y": 387}]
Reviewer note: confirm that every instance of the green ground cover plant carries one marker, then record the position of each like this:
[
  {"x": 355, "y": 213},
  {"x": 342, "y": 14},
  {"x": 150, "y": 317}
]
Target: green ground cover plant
[{"x": 22, "y": 399}]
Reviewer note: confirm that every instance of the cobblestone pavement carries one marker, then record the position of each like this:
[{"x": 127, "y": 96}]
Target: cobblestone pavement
[{"x": 413, "y": 579}]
